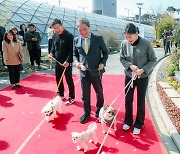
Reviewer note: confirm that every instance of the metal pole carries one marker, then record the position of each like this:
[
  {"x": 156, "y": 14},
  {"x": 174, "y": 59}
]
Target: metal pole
[
  {"x": 102, "y": 7},
  {"x": 140, "y": 7},
  {"x": 128, "y": 11},
  {"x": 139, "y": 16}
]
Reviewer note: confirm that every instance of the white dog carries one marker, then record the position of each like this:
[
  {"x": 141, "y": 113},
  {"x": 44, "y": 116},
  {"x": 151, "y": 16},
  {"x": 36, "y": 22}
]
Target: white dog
[
  {"x": 81, "y": 138},
  {"x": 51, "y": 107},
  {"x": 107, "y": 116}
]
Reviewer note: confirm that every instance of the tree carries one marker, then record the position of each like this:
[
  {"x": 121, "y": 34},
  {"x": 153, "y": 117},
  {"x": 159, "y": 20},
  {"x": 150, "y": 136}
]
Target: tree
[
  {"x": 161, "y": 21},
  {"x": 171, "y": 10}
]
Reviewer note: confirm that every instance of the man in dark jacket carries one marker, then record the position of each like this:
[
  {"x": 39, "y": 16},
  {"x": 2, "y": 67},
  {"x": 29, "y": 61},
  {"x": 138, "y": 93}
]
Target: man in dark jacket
[
  {"x": 62, "y": 50},
  {"x": 2, "y": 31},
  {"x": 33, "y": 40},
  {"x": 90, "y": 55}
]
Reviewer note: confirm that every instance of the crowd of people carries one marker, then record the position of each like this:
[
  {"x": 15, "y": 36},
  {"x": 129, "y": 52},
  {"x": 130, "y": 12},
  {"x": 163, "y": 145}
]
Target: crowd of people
[{"x": 89, "y": 53}]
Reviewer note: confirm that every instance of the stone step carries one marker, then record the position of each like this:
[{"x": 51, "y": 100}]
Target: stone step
[{"x": 171, "y": 93}]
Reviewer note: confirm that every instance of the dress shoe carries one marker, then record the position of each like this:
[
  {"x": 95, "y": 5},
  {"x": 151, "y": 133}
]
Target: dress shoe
[
  {"x": 84, "y": 118},
  {"x": 13, "y": 86},
  {"x": 18, "y": 85}
]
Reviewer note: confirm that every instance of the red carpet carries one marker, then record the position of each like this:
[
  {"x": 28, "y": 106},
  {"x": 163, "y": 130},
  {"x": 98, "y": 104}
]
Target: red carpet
[{"x": 24, "y": 130}]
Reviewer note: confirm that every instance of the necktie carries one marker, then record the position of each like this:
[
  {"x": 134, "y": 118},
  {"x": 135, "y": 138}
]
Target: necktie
[{"x": 86, "y": 48}]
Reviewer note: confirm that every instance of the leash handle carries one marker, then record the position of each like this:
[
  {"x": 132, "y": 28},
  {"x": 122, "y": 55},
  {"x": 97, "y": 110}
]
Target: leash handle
[{"x": 134, "y": 76}]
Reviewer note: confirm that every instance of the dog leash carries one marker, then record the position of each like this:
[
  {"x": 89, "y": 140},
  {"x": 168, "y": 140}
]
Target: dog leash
[
  {"x": 61, "y": 75},
  {"x": 130, "y": 83},
  {"x": 56, "y": 61},
  {"x": 134, "y": 76}
]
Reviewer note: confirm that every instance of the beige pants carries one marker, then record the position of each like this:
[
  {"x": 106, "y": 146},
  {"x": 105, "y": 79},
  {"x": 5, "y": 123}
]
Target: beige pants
[{"x": 26, "y": 54}]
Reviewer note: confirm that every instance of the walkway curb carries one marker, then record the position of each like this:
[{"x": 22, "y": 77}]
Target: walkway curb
[{"x": 166, "y": 120}]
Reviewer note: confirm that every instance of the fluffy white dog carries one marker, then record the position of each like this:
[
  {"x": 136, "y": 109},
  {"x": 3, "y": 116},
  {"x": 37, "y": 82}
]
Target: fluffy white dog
[
  {"x": 81, "y": 138},
  {"x": 51, "y": 107}
]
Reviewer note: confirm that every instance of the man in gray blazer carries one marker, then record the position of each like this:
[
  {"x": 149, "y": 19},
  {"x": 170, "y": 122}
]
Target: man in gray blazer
[{"x": 90, "y": 56}]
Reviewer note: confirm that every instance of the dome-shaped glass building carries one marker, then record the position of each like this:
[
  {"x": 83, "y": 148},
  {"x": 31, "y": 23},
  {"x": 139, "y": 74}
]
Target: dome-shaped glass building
[{"x": 16, "y": 12}]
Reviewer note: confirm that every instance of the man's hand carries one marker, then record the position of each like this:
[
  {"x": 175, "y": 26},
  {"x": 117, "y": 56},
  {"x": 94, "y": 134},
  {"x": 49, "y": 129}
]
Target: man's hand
[
  {"x": 139, "y": 72},
  {"x": 50, "y": 56},
  {"x": 101, "y": 67},
  {"x": 34, "y": 39},
  {"x": 134, "y": 68},
  {"x": 65, "y": 64},
  {"x": 78, "y": 65}
]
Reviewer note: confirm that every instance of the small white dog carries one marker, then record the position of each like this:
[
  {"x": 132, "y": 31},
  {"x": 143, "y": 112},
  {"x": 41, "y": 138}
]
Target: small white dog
[
  {"x": 81, "y": 138},
  {"x": 51, "y": 107},
  {"x": 106, "y": 116}
]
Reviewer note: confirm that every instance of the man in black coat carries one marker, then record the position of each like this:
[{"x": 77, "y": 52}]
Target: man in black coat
[
  {"x": 33, "y": 40},
  {"x": 90, "y": 55},
  {"x": 2, "y": 31},
  {"x": 62, "y": 50}
]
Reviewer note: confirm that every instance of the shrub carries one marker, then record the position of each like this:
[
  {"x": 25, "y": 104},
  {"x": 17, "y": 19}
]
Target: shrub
[{"x": 174, "y": 64}]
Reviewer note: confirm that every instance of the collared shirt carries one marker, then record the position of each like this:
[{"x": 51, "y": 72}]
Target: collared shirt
[{"x": 83, "y": 41}]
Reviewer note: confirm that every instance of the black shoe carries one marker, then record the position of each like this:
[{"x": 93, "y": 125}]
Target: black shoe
[
  {"x": 13, "y": 86},
  {"x": 97, "y": 113},
  {"x": 18, "y": 85},
  {"x": 84, "y": 118},
  {"x": 39, "y": 67}
]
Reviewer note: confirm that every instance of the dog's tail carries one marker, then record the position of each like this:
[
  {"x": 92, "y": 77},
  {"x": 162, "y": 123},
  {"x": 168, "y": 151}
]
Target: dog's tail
[{"x": 92, "y": 127}]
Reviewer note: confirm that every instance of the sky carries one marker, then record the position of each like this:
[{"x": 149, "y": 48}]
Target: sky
[{"x": 148, "y": 5}]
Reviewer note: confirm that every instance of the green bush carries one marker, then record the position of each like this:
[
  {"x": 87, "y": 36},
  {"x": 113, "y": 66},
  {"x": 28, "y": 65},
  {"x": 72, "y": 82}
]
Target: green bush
[{"x": 174, "y": 64}]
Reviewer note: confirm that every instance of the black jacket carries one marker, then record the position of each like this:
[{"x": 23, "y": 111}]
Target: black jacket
[
  {"x": 28, "y": 38},
  {"x": 2, "y": 31},
  {"x": 62, "y": 47}
]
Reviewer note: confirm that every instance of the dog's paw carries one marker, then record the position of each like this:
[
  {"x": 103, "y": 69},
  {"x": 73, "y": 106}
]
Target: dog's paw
[
  {"x": 90, "y": 141},
  {"x": 78, "y": 148}
]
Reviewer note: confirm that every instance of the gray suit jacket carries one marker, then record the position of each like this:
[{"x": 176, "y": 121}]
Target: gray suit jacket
[
  {"x": 97, "y": 54},
  {"x": 142, "y": 55}
]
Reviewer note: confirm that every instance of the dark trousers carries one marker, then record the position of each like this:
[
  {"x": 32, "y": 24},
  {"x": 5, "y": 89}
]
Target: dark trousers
[
  {"x": 141, "y": 85},
  {"x": 2, "y": 58},
  {"x": 14, "y": 73},
  {"x": 35, "y": 55},
  {"x": 168, "y": 47},
  {"x": 86, "y": 91},
  {"x": 164, "y": 44},
  {"x": 50, "y": 41},
  {"x": 68, "y": 75}
]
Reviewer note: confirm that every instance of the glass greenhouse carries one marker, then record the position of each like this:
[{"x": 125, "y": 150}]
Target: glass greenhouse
[{"x": 16, "y": 12}]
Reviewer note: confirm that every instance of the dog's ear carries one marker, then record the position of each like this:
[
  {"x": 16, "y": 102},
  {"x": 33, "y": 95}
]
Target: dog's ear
[{"x": 105, "y": 106}]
